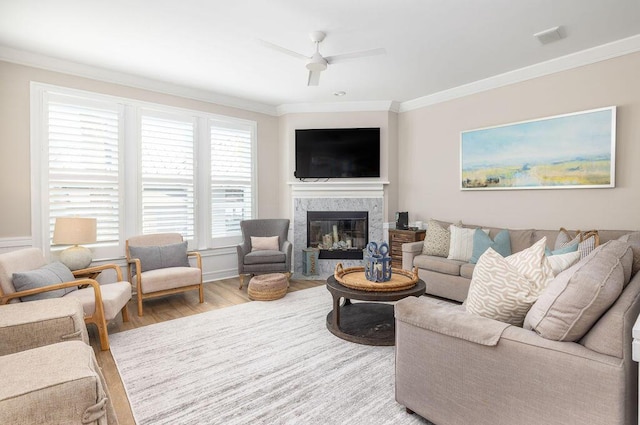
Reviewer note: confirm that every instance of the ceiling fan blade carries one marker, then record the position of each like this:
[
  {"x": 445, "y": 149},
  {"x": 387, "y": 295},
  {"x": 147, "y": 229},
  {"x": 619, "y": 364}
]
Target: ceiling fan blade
[
  {"x": 355, "y": 55},
  {"x": 314, "y": 78},
  {"x": 283, "y": 50}
]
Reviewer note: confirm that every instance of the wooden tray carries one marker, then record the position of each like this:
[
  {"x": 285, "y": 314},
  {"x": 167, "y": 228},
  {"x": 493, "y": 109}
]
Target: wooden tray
[{"x": 353, "y": 277}]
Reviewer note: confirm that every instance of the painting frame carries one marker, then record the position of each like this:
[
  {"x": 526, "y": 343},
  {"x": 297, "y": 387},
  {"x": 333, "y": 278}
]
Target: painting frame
[{"x": 568, "y": 151}]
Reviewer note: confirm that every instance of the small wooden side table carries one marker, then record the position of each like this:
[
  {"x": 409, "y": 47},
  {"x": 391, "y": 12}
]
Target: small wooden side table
[{"x": 397, "y": 237}]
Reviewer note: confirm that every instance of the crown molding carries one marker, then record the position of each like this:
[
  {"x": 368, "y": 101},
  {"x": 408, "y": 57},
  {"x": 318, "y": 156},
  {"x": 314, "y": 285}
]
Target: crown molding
[
  {"x": 49, "y": 63},
  {"x": 574, "y": 60},
  {"x": 585, "y": 57},
  {"x": 364, "y": 106}
]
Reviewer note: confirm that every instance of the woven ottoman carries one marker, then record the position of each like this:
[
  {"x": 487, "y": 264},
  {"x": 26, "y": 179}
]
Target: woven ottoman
[{"x": 267, "y": 287}]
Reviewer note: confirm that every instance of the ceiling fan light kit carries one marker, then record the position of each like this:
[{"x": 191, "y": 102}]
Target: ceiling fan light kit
[{"x": 317, "y": 63}]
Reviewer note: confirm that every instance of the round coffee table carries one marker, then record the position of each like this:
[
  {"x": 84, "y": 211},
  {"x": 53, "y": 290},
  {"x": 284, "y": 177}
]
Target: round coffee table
[{"x": 370, "y": 323}]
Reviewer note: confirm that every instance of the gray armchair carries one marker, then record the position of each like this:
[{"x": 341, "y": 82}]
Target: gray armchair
[{"x": 253, "y": 260}]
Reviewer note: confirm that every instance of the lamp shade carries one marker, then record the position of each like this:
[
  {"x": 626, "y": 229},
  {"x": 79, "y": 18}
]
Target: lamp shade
[{"x": 74, "y": 231}]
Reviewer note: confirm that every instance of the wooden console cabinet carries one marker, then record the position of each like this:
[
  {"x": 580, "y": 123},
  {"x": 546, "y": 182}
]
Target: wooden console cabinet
[{"x": 396, "y": 238}]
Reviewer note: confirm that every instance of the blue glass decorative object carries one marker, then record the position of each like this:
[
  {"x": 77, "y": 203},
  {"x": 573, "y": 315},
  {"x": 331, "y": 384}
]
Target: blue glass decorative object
[{"x": 377, "y": 263}]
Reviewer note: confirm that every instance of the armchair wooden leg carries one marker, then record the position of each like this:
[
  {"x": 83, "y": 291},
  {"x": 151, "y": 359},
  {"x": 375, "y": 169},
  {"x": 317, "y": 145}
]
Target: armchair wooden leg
[
  {"x": 241, "y": 277},
  {"x": 101, "y": 324},
  {"x": 125, "y": 313},
  {"x": 140, "y": 312},
  {"x": 201, "y": 289}
]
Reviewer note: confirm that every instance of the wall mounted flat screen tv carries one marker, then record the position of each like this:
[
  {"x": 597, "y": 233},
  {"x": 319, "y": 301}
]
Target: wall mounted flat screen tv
[{"x": 337, "y": 153}]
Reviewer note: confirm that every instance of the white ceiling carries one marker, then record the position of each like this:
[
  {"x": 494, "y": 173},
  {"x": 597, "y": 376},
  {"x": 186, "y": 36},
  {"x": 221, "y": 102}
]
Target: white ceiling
[{"x": 212, "y": 45}]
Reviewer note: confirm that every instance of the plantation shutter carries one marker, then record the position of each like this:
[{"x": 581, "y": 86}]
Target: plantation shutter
[
  {"x": 83, "y": 160},
  {"x": 231, "y": 177},
  {"x": 167, "y": 175}
]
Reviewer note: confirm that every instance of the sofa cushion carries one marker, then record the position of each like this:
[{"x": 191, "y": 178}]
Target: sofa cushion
[
  {"x": 438, "y": 264},
  {"x": 633, "y": 239},
  {"x": 505, "y": 288},
  {"x": 47, "y": 275},
  {"x": 521, "y": 239},
  {"x": 436, "y": 239},
  {"x": 161, "y": 256},
  {"x": 466, "y": 270},
  {"x": 578, "y": 296},
  {"x": 482, "y": 241},
  {"x": 461, "y": 244}
]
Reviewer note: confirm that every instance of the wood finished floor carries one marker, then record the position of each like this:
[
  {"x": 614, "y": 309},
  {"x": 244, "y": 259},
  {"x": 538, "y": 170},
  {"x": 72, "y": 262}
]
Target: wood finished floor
[{"x": 218, "y": 294}]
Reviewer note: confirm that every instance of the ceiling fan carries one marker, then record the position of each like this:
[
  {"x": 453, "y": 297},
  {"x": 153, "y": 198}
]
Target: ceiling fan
[{"x": 317, "y": 63}]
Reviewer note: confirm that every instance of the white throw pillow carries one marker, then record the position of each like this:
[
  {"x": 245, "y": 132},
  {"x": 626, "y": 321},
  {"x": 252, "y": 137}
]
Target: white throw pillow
[
  {"x": 505, "y": 288},
  {"x": 461, "y": 243},
  {"x": 268, "y": 243},
  {"x": 561, "y": 262}
]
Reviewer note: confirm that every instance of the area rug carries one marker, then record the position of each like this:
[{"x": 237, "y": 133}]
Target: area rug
[{"x": 262, "y": 362}]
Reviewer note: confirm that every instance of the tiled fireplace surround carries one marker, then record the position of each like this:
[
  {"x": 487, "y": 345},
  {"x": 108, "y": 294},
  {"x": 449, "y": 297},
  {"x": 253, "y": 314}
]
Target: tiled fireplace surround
[{"x": 334, "y": 196}]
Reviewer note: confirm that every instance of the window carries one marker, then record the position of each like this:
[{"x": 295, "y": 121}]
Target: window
[
  {"x": 231, "y": 178},
  {"x": 167, "y": 176},
  {"x": 83, "y": 164},
  {"x": 138, "y": 168}
]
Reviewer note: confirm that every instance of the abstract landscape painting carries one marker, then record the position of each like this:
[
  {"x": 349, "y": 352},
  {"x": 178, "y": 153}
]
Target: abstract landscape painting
[{"x": 566, "y": 151}]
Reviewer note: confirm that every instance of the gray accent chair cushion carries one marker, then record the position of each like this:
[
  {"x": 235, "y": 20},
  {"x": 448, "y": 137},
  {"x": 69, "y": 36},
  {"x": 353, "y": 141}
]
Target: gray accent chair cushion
[
  {"x": 160, "y": 257},
  {"x": 265, "y": 257},
  {"x": 44, "y": 276}
]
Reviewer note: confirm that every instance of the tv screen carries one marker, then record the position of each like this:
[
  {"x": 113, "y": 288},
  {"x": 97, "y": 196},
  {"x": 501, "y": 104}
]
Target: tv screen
[{"x": 337, "y": 153}]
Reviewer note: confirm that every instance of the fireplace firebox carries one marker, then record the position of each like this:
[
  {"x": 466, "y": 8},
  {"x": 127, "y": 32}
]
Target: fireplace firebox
[{"x": 338, "y": 234}]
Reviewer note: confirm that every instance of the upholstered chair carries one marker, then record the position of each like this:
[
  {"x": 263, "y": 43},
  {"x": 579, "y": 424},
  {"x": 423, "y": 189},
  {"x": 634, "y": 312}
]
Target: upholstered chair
[
  {"x": 159, "y": 265},
  {"x": 265, "y": 248},
  {"x": 26, "y": 276}
]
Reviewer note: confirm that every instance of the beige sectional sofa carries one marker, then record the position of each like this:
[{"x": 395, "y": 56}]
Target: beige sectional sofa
[
  {"x": 570, "y": 364},
  {"x": 451, "y": 278}
]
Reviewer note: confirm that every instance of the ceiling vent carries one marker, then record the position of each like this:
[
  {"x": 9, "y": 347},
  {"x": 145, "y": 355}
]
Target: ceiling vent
[{"x": 549, "y": 35}]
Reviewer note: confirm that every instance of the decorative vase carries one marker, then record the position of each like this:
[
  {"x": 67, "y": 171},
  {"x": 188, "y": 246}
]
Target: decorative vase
[{"x": 377, "y": 263}]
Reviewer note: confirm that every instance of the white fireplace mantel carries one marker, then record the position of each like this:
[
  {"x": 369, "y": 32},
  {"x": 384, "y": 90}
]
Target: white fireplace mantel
[
  {"x": 364, "y": 195},
  {"x": 338, "y": 189}
]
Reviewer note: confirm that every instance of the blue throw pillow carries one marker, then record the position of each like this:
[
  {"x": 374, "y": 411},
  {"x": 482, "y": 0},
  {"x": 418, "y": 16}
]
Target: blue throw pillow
[
  {"x": 44, "y": 276},
  {"x": 160, "y": 257},
  {"x": 481, "y": 242},
  {"x": 564, "y": 250}
]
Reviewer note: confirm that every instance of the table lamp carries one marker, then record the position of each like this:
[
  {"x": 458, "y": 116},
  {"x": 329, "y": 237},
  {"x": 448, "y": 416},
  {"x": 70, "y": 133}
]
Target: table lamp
[{"x": 75, "y": 231}]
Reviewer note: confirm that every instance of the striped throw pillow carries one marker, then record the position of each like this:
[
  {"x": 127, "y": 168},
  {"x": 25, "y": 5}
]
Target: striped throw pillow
[{"x": 461, "y": 243}]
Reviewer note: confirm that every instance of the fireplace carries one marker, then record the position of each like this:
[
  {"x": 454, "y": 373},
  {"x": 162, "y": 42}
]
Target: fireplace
[{"x": 338, "y": 234}]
